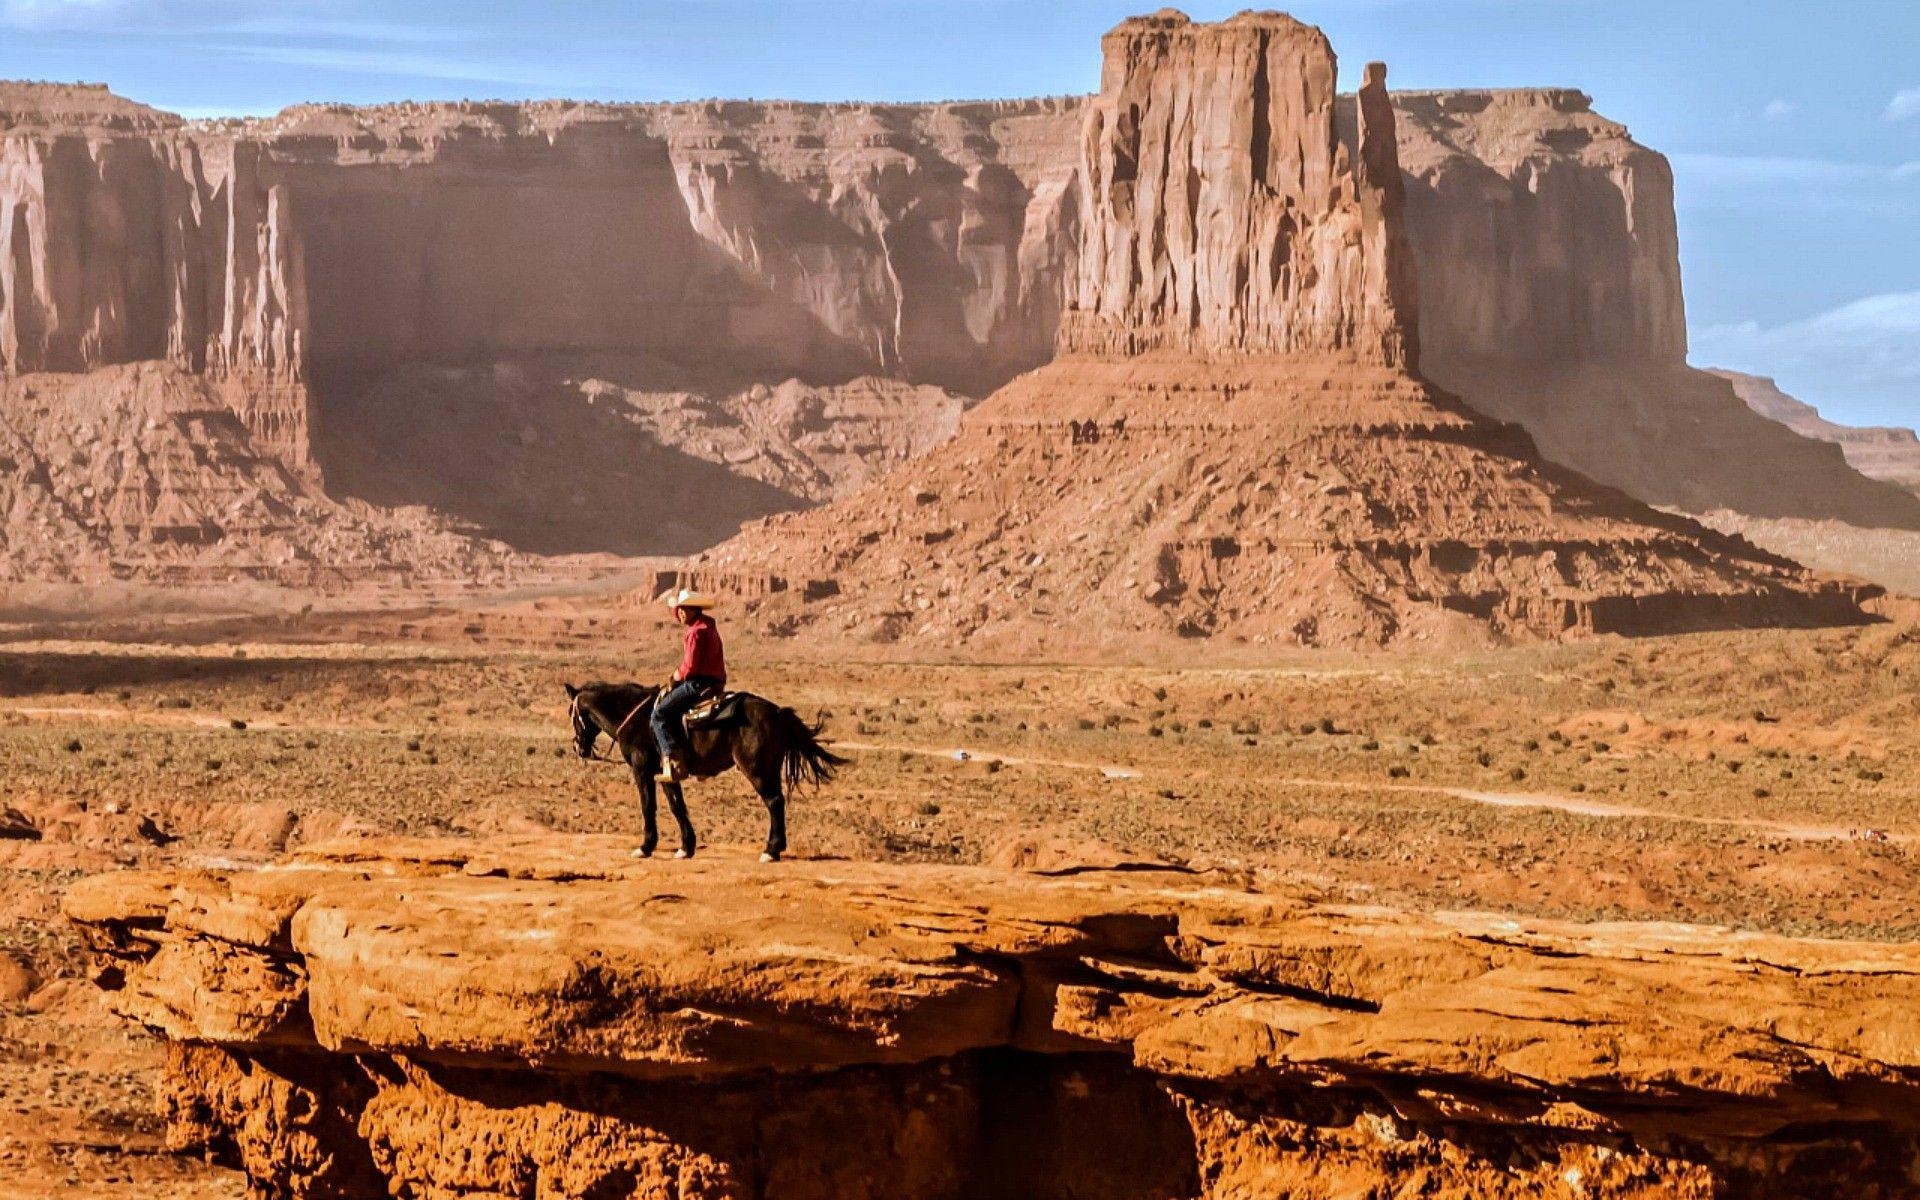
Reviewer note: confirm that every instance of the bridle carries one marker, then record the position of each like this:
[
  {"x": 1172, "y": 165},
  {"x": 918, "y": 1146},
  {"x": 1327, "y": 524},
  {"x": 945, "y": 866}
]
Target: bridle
[{"x": 581, "y": 713}]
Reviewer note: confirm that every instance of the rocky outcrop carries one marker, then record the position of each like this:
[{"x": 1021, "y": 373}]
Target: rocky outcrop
[
  {"x": 598, "y": 451},
  {"x": 1543, "y": 232},
  {"x": 1099, "y": 506},
  {"x": 467, "y": 1019},
  {"x": 1217, "y": 215},
  {"x": 462, "y": 308},
  {"x": 920, "y": 241},
  {"x": 1239, "y": 439},
  {"x": 143, "y": 471},
  {"x": 1548, "y": 257},
  {"x": 1886, "y": 453}
]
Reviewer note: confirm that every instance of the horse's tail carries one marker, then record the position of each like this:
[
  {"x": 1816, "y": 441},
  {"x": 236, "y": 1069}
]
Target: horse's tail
[{"x": 802, "y": 758}]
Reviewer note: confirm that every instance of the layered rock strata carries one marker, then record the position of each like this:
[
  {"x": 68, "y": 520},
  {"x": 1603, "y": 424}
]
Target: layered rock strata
[
  {"x": 316, "y": 266},
  {"x": 620, "y": 452},
  {"x": 924, "y": 241},
  {"x": 1887, "y": 453},
  {"x": 416, "y": 304},
  {"x": 1233, "y": 439},
  {"x": 143, "y": 471},
  {"x": 547, "y": 1016}
]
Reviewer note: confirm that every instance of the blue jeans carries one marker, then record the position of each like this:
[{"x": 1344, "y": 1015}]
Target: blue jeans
[{"x": 669, "y": 711}]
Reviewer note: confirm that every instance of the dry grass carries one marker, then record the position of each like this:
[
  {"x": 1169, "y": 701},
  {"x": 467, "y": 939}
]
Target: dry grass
[{"x": 1719, "y": 776}]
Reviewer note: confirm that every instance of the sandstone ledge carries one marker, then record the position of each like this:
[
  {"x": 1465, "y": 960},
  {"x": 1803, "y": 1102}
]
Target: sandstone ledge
[{"x": 548, "y": 1017}]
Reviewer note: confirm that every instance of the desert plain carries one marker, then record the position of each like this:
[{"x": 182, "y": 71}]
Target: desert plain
[{"x": 1759, "y": 780}]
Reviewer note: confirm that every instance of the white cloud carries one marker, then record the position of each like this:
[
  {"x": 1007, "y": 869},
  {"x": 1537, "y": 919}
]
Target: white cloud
[
  {"x": 1862, "y": 358},
  {"x": 1780, "y": 110},
  {"x": 1907, "y": 170},
  {"x": 266, "y": 20},
  {"x": 1905, "y": 105},
  {"x": 1750, "y": 170},
  {"x": 1754, "y": 182},
  {"x": 60, "y": 14},
  {"x": 280, "y": 24},
  {"x": 408, "y": 64}
]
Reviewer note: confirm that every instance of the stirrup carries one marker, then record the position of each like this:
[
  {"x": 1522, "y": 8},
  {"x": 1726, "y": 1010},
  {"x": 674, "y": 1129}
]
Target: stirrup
[{"x": 670, "y": 772}]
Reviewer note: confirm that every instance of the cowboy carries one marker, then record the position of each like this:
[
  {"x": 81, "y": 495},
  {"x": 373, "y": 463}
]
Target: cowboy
[{"x": 702, "y": 673}]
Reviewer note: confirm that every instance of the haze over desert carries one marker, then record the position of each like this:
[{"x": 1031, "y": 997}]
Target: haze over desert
[{"x": 1271, "y": 669}]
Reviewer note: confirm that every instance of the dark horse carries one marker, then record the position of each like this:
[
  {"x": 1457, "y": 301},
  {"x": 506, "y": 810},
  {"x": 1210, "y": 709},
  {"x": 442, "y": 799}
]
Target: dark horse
[{"x": 772, "y": 746}]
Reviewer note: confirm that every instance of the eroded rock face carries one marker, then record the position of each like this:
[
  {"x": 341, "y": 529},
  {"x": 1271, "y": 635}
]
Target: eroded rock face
[
  {"x": 1220, "y": 212},
  {"x": 145, "y": 471},
  {"x": 455, "y": 1019},
  {"x": 125, "y": 238},
  {"x": 601, "y": 450},
  {"x": 1542, "y": 230},
  {"x": 922, "y": 241},
  {"x": 402, "y": 306},
  {"x": 1231, "y": 444},
  {"x": 328, "y": 270}
]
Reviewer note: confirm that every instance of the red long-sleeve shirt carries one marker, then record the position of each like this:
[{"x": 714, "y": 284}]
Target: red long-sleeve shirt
[{"x": 704, "y": 655}]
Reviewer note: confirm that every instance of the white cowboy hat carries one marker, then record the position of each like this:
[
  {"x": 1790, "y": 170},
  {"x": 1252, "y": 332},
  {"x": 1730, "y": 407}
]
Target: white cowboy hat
[{"x": 688, "y": 598}]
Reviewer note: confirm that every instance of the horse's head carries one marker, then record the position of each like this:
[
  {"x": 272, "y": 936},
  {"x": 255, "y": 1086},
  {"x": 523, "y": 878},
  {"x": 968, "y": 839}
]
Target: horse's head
[
  {"x": 586, "y": 730},
  {"x": 610, "y": 708}
]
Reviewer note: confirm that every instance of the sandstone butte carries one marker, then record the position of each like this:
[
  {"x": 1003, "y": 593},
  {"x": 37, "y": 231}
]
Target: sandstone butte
[
  {"x": 1234, "y": 438},
  {"x": 457, "y": 1019},
  {"x": 509, "y": 315}
]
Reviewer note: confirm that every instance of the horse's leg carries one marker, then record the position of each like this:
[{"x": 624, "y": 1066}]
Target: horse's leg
[
  {"x": 677, "y": 804},
  {"x": 649, "y": 808},
  {"x": 757, "y": 759},
  {"x": 776, "y": 802}
]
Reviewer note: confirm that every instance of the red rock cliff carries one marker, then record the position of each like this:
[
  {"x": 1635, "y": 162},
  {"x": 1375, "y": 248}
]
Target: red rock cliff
[
  {"x": 1549, "y": 263},
  {"x": 822, "y": 240},
  {"x": 1220, "y": 213},
  {"x": 123, "y": 238},
  {"x": 1233, "y": 440},
  {"x": 313, "y": 266}
]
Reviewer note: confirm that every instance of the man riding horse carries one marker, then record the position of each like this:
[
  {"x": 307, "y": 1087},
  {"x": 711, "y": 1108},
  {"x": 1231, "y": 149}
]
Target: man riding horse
[
  {"x": 702, "y": 674},
  {"x": 766, "y": 742}
]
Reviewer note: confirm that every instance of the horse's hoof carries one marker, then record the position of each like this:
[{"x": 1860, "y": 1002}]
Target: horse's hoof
[
  {"x": 683, "y": 854},
  {"x": 765, "y": 857},
  {"x": 643, "y": 852}
]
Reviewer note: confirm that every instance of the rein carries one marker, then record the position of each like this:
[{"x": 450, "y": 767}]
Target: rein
[{"x": 621, "y": 732}]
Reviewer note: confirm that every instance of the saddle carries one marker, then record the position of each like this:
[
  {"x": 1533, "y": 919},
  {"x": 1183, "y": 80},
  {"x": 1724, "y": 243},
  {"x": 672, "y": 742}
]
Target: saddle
[{"x": 715, "y": 712}]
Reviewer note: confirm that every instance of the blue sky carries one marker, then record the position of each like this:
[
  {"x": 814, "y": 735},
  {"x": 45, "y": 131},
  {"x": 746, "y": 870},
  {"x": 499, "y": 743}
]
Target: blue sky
[{"x": 1794, "y": 128}]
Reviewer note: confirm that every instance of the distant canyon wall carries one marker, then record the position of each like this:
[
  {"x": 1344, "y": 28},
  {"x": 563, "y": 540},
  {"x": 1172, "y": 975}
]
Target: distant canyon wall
[
  {"x": 1886, "y": 452},
  {"x": 932, "y": 243},
  {"x": 926, "y": 242},
  {"x": 935, "y": 242},
  {"x": 126, "y": 238}
]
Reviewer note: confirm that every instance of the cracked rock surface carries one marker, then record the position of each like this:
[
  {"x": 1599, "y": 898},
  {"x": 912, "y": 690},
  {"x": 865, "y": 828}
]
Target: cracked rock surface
[{"x": 546, "y": 1016}]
